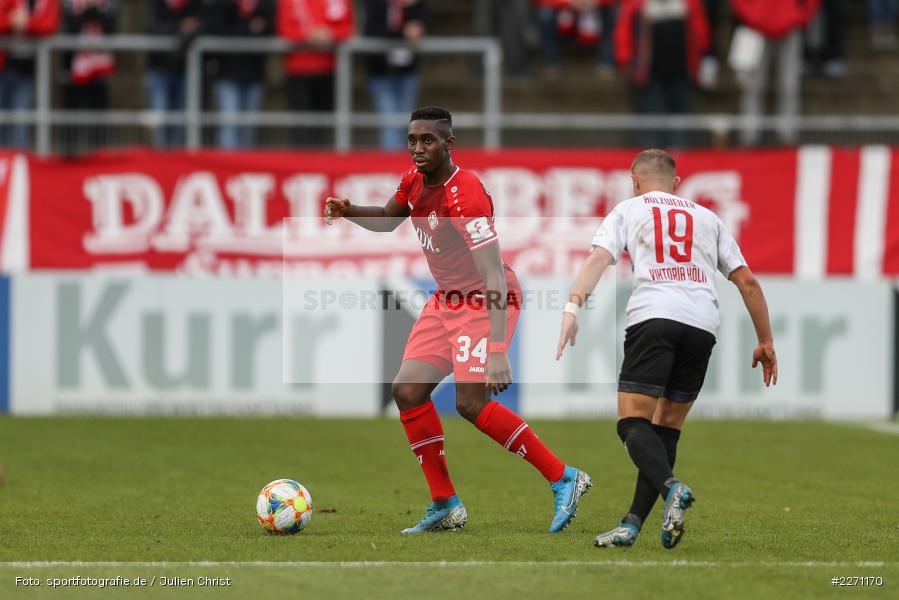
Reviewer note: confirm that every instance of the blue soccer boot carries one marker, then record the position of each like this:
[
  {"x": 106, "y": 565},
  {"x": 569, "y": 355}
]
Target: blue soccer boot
[
  {"x": 444, "y": 516},
  {"x": 567, "y": 493}
]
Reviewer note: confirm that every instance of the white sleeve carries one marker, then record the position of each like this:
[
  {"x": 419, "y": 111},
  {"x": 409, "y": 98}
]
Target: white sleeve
[
  {"x": 612, "y": 234},
  {"x": 729, "y": 256}
]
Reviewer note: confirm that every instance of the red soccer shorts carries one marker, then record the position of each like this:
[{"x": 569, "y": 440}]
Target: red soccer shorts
[{"x": 452, "y": 335}]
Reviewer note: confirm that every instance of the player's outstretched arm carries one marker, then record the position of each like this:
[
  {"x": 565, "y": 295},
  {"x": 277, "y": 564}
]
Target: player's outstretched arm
[
  {"x": 489, "y": 263},
  {"x": 584, "y": 284},
  {"x": 754, "y": 299},
  {"x": 373, "y": 218}
]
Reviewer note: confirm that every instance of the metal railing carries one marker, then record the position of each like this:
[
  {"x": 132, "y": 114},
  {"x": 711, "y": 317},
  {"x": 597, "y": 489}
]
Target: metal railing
[
  {"x": 194, "y": 119},
  {"x": 546, "y": 128}
]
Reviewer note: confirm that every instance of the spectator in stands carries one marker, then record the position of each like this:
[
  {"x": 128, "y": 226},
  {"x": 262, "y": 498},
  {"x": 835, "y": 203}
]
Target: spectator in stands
[
  {"x": 660, "y": 44},
  {"x": 547, "y": 14},
  {"x": 26, "y": 19},
  {"x": 882, "y": 15},
  {"x": 393, "y": 76},
  {"x": 239, "y": 79},
  {"x": 588, "y": 22},
  {"x": 310, "y": 72},
  {"x": 832, "y": 54},
  {"x": 607, "y": 16},
  {"x": 710, "y": 65},
  {"x": 165, "y": 71},
  {"x": 507, "y": 20},
  {"x": 772, "y": 33},
  {"x": 88, "y": 70}
]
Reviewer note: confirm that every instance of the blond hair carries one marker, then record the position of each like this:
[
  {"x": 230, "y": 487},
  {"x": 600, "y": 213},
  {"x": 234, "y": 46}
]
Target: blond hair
[{"x": 655, "y": 163}]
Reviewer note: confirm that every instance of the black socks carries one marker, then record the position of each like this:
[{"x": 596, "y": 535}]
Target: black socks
[
  {"x": 644, "y": 493},
  {"x": 653, "y": 449}
]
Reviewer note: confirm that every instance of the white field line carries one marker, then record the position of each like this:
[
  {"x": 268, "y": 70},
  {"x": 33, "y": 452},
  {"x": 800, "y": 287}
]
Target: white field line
[
  {"x": 450, "y": 564},
  {"x": 884, "y": 427}
]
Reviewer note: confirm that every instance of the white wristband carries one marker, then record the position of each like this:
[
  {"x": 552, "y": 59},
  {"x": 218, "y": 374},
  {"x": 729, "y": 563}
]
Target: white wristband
[{"x": 572, "y": 308}]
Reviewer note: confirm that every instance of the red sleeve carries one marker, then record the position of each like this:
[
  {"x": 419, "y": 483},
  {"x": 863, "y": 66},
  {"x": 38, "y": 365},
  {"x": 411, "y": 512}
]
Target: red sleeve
[
  {"x": 624, "y": 32},
  {"x": 6, "y": 9},
  {"x": 288, "y": 25},
  {"x": 402, "y": 190},
  {"x": 471, "y": 209},
  {"x": 811, "y": 7},
  {"x": 700, "y": 26},
  {"x": 345, "y": 27},
  {"x": 45, "y": 18}
]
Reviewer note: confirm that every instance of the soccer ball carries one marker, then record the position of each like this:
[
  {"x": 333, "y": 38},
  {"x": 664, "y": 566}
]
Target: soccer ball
[{"x": 284, "y": 507}]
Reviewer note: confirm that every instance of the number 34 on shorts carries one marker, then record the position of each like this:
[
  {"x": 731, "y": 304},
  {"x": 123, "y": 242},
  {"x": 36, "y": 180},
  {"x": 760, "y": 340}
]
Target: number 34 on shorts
[{"x": 472, "y": 354}]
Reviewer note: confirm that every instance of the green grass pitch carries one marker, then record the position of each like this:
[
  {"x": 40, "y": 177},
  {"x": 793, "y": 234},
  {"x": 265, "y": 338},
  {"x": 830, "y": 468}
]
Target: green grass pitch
[{"x": 782, "y": 509}]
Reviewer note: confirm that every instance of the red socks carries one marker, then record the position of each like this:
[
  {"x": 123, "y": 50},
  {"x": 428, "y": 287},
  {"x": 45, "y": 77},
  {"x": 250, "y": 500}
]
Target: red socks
[
  {"x": 425, "y": 433},
  {"x": 508, "y": 429}
]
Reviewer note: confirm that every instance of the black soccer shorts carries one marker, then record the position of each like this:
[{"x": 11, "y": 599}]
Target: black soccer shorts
[{"x": 665, "y": 358}]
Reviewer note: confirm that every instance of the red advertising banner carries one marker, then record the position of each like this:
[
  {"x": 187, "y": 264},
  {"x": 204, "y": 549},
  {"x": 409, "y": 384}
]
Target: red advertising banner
[{"x": 812, "y": 212}]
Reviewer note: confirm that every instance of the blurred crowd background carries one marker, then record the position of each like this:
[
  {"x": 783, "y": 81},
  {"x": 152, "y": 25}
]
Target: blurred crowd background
[{"x": 746, "y": 58}]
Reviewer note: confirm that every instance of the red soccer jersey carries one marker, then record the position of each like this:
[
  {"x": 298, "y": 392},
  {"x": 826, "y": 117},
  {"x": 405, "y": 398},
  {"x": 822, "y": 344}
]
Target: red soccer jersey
[{"x": 452, "y": 220}]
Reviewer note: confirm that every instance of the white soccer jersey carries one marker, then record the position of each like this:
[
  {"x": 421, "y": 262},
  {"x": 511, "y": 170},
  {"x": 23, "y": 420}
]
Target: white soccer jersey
[{"x": 675, "y": 245}]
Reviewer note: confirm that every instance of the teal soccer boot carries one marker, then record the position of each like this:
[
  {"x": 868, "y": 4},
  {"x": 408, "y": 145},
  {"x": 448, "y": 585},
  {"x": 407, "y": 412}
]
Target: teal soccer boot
[
  {"x": 680, "y": 498},
  {"x": 567, "y": 493},
  {"x": 442, "y": 517}
]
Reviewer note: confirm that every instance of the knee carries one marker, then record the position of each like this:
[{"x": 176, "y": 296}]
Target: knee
[
  {"x": 668, "y": 420},
  {"x": 469, "y": 408},
  {"x": 546, "y": 16},
  {"x": 406, "y": 395},
  {"x": 628, "y": 426},
  {"x": 670, "y": 414}
]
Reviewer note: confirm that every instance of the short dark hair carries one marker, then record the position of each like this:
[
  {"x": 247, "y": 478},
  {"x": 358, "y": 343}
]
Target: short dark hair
[
  {"x": 657, "y": 161},
  {"x": 433, "y": 113}
]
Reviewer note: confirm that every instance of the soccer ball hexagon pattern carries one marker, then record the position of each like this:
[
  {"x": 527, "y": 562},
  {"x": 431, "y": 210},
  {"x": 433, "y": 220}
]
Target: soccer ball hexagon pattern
[{"x": 284, "y": 507}]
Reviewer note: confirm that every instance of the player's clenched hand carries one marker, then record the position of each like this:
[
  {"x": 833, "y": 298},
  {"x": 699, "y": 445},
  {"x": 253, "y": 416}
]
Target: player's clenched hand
[
  {"x": 499, "y": 372},
  {"x": 569, "y": 333},
  {"x": 335, "y": 208},
  {"x": 764, "y": 353}
]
